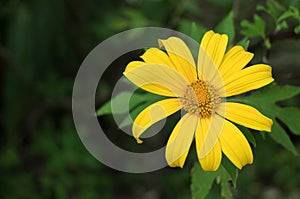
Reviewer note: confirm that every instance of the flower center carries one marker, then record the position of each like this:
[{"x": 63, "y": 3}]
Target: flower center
[{"x": 200, "y": 99}]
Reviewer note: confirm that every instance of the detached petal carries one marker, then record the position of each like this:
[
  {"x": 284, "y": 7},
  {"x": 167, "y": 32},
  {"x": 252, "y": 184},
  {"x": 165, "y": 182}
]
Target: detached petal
[
  {"x": 181, "y": 57},
  {"x": 152, "y": 114},
  {"x": 234, "y": 60},
  {"x": 247, "y": 116},
  {"x": 248, "y": 79},
  {"x": 158, "y": 79},
  {"x": 180, "y": 140},
  {"x": 235, "y": 146},
  {"x": 208, "y": 141},
  {"x": 211, "y": 53}
]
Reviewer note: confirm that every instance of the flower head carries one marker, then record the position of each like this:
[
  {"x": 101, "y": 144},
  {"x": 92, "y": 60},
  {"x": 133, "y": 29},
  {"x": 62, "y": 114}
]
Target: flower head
[{"x": 200, "y": 91}]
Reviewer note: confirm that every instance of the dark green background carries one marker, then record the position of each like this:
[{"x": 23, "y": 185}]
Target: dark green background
[{"x": 42, "y": 44}]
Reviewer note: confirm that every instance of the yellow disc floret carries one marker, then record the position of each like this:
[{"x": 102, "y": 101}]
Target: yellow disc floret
[{"x": 200, "y": 98}]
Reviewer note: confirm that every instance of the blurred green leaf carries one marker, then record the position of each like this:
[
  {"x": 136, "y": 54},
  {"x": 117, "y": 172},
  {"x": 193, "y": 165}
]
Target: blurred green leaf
[
  {"x": 267, "y": 43},
  {"x": 255, "y": 29},
  {"x": 226, "y": 26},
  {"x": 192, "y": 29},
  {"x": 266, "y": 100},
  {"x": 297, "y": 29},
  {"x": 272, "y": 7},
  {"x": 285, "y": 15},
  {"x": 197, "y": 31},
  {"x": 244, "y": 43}
]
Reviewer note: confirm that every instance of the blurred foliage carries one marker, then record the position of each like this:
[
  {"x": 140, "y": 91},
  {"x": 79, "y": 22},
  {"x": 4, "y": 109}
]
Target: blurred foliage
[{"x": 42, "y": 44}]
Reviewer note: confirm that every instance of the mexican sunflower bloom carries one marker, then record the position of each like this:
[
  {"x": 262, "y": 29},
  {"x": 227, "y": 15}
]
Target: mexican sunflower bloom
[{"x": 200, "y": 91}]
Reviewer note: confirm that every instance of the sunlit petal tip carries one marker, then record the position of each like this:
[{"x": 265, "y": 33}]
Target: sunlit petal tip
[
  {"x": 139, "y": 141},
  {"x": 269, "y": 124},
  {"x": 209, "y": 167},
  {"x": 177, "y": 163},
  {"x": 209, "y": 33}
]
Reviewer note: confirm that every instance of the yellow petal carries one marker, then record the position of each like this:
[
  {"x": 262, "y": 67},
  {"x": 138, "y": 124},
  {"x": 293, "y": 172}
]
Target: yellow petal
[
  {"x": 247, "y": 116},
  {"x": 152, "y": 114},
  {"x": 151, "y": 56},
  {"x": 180, "y": 140},
  {"x": 157, "y": 56},
  {"x": 181, "y": 57},
  {"x": 248, "y": 79},
  {"x": 158, "y": 79},
  {"x": 234, "y": 60},
  {"x": 211, "y": 159},
  {"x": 211, "y": 53},
  {"x": 235, "y": 146},
  {"x": 132, "y": 65},
  {"x": 215, "y": 46}
]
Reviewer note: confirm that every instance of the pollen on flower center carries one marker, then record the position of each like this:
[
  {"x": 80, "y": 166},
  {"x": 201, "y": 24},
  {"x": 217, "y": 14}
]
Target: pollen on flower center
[{"x": 200, "y": 98}]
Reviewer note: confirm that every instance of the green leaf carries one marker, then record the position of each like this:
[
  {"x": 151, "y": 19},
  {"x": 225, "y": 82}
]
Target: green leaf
[
  {"x": 225, "y": 184},
  {"x": 117, "y": 102},
  {"x": 267, "y": 43},
  {"x": 281, "y": 137},
  {"x": 265, "y": 100},
  {"x": 273, "y": 8},
  {"x": 248, "y": 134},
  {"x": 133, "y": 114},
  {"x": 197, "y": 31},
  {"x": 297, "y": 29},
  {"x": 230, "y": 169},
  {"x": 244, "y": 43},
  {"x": 192, "y": 29},
  {"x": 201, "y": 181},
  {"x": 285, "y": 15},
  {"x": 255, "y": 29},
  {"x": 290, "y": 116},
  {"x": 226, "y": 26}
]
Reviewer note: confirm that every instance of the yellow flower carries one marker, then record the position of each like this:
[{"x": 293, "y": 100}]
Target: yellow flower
[{"x": 200, "y": 91}]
